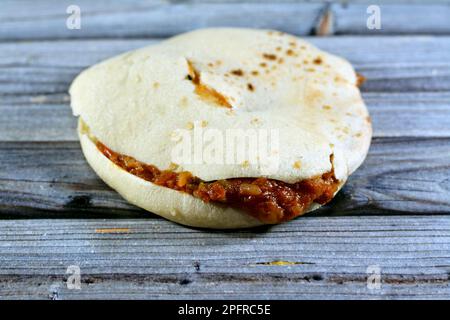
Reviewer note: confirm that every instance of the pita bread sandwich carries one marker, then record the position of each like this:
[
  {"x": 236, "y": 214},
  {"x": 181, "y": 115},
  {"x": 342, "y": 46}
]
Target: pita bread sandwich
[{"x": 223, "y": 128}]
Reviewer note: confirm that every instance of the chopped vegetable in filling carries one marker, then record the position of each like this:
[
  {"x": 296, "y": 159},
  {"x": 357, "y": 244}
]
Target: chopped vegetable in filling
[{"x": 269, "y": 200}]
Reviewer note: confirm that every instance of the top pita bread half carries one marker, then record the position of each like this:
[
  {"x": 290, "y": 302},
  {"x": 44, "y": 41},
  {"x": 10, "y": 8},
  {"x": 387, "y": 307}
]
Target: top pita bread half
[{"x": 223, "y": 128}]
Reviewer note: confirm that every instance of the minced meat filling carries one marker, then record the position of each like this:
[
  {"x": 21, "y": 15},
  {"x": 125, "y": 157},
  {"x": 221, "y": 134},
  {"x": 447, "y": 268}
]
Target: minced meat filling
[{"x": 270, "y": 201}]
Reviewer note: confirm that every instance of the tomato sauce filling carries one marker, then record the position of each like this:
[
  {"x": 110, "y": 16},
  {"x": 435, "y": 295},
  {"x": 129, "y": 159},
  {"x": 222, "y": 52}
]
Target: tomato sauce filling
[{"x": 269, "y": 200}]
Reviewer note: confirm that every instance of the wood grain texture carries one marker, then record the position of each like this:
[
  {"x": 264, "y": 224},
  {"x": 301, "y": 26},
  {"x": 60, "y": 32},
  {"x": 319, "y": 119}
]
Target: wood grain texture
[
  {"x": 394, "y": 212},
  {"x": 323, "y": 258},
  {"x": 52, "y": 179},
  {"x": 31, "y": 20},
  {"x": 391, "y": 64},
  {"x": 120, "y": 19},
  {"x": 412, "y": 18},
  {"x": 408, "y": 81},
  {"x": 48, "y": 117}
]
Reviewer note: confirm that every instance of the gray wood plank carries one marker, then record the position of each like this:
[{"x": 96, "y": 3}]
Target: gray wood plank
[
  {"x": 120, "y": 19},
  {"x": 392, "y": 64},
  {"x": 408, "y": 81},
  {"x": 48, "y": 117},
  {"x": 413, "y": 18},
  {"x": 324, "y": 256},
  {"x": 26, "y": 20},
  {"x": 149, "y": 258},
  {"x": 52, "y": 179}
]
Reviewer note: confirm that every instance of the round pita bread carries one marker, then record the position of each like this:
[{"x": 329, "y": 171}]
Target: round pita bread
[{"x": 149, "y": 102}]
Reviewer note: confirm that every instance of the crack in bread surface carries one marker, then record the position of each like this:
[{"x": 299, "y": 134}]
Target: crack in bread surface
[{"x": 206, "y": 92}]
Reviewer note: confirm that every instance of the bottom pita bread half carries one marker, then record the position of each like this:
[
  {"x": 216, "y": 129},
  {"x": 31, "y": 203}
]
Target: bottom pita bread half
[{"x": 223, "y": 128}]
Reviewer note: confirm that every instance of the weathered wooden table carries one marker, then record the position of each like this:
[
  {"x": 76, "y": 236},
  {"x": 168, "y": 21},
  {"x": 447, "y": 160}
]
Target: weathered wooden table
[{"x": 393, "y": 215}]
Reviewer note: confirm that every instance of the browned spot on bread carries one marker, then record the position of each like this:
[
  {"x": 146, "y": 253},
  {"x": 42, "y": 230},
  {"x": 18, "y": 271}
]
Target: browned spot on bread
[
  {"x": 184, "y": 102},
  {"x": 280, "y": 61},
  {"x": 263, "y": 64},
  {"x": 269, "y": 56},
  {"x": 255, "y": 72},
  {"x": 255, "y": 121},
  {"x": 317, "y": 60},
  {"x": 250, "y": 87},
  {"x": 237, "y": 72},
  {"x": 278, "y": 48},
  {"x": 289, "y": 52},
  {"x": 314, "y": 96}
]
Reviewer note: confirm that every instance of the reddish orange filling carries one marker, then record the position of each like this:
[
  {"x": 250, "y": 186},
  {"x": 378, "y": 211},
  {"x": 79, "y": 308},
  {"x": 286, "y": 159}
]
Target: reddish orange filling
[{"x": 270, "y": 201}]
